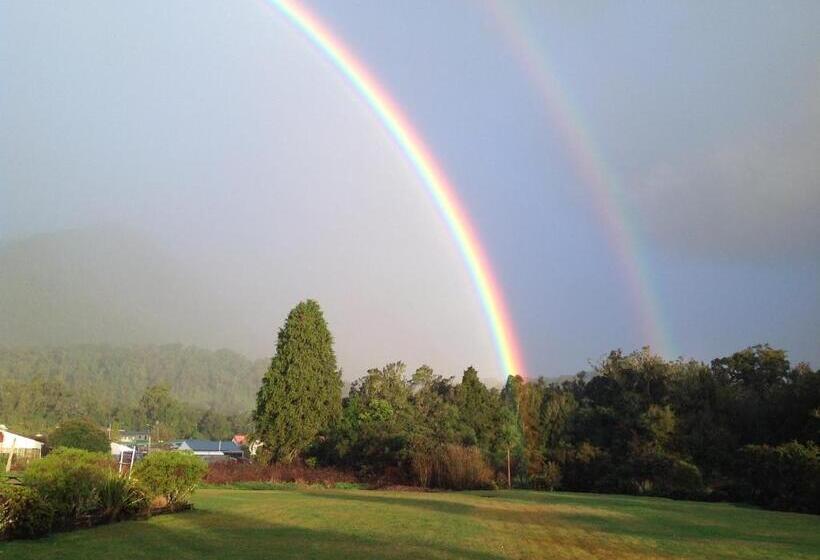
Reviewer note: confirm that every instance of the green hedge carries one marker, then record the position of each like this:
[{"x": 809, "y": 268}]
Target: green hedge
[
  {"x": 170, "y": 475},
  {"x": 70, "y": 481},
  {"x": 72, "y": 488},
  {"x": 786, "y": 477},
  {"x": 24, "y": 514}
]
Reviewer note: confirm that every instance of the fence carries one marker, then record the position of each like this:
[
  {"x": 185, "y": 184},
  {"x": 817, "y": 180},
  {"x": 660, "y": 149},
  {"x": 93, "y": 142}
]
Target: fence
[{"x": 21, "y": 459}]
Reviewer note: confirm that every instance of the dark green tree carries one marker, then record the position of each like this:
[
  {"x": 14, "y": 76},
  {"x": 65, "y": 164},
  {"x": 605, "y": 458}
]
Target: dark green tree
[
  {"x": 80, "y": 433},
  {"x": 300, "y": 396},
  {"x": 510, "y": 439},
  {"x": 478, "y": 408}
]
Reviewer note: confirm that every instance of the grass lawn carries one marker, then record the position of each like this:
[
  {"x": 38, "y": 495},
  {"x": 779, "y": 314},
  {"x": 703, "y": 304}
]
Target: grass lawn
[{"x": 274, "y": 524}]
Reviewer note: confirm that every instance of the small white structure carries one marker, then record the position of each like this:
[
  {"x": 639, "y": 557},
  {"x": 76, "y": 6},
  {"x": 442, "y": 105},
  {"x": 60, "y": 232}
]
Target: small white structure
[
  {"x": 254, "y": 447},
  {"x": 124, "y": 455},
  {"x": 17, "y": 448}
]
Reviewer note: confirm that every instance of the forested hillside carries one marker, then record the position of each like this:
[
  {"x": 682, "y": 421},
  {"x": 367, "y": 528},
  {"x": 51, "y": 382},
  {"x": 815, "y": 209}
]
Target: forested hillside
[{"x": 42, "y": 385}]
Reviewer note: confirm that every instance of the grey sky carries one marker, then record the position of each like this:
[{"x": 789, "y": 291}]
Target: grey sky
[{"x": 219, "y": 133}]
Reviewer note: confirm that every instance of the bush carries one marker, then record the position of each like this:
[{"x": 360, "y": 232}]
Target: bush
[
  {"x": 549, "y": 478},
  {"x": 422, "y": 463},
  {"x": 80, "y": 433},
  {"x": 587, "y": 468},
  {"x": 786, "y": 477},
  {"x": 170, "y": 475},
  {"x": 70, "y": 481},
  {"x": 655, "y": 473},
  {"x": 121, "y": 497},
  {"x": 233, "y": 472},
  {"x": 681, "y": 479},
  {"x": 459, "y": 467},
  {"x": 24, "y": 514}
]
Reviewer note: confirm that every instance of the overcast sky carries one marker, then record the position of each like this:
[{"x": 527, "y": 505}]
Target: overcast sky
[{"x": 217, "y": 131}]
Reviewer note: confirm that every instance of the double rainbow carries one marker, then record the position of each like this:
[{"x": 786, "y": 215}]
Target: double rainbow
[
  {"x": 428, "y": 170},
  {"x": 591, "y": 167}
]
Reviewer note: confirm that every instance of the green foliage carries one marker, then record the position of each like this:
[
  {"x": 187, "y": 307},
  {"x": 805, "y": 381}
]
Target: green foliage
[
  {"x": 80, "y": 433},
  {"x": 348, "y": 486},
  {"x": 171, "y": 475},
  {"x": 784, "y": 477},
  {"x": 300, "y": 396},
  {"x": 639, "y": 424},
  {"x": 42, "y": 387},
  {"x": 477, "y": 408},
  {"x": 586, "y": 467},
  {"x": 379, "y": 424},
  {"x": 656, "y": 473},
  {"x": 636, "y": 424},
  {"x": 70, "y": 480},
  {"x": 24, "y": 514},
  {"x": 122, "y": 497}
]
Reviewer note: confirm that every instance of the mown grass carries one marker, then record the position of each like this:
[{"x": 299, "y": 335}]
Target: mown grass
[{"x": 334, "y": 523}]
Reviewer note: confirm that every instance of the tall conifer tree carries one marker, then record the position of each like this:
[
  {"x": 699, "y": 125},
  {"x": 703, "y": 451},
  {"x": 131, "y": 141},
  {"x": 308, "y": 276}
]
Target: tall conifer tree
[{"x": 300, "y": 396}]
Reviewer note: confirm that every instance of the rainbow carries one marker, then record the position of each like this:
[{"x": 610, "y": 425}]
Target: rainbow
[
  {"x": 429, "y": 171},
  {"x": 591, "y": 168}
]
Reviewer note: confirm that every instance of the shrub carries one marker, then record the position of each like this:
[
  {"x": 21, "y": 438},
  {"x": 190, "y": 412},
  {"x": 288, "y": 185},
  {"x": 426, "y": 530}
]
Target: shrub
[
  {"x": 70, "y": 481},
  {"x": 233, "y": 472},
  {"x": 170, "y": 475},
  {"x": 348, "y": 486},
  {"x": 80, "y": 433},
  {"x": 786, "y": 477},
  {"x": 461, "y": 468},
  {"x": 422, "y": 463},
  {"x": 121, "y": 497},
  {"x": 587, "y": 468},
  {"x": 656, "y": 473},
  {"x": 681, "y": 480},
  {"x": 24, "y": 514},
  {"x": 549, "y": 478}
]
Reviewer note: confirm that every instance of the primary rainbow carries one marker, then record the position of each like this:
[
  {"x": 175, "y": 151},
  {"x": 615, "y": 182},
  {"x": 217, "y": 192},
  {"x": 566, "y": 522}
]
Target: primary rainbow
[
  {"x": 591, "y": 167},
  {"x": 430, "y": 172}
]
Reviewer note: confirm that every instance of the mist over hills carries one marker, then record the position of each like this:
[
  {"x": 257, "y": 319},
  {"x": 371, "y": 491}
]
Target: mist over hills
[
  {"x": 104, "y": 285},
  {"x": 111, "y": 285}
]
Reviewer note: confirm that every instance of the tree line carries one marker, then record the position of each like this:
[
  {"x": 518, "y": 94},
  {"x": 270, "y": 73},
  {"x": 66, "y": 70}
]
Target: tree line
[
  {"x": 180, "y": 391},
  {"x": 743, "y": 427}
]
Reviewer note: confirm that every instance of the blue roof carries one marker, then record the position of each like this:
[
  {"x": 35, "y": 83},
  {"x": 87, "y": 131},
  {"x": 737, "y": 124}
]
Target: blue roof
[{"x": 226, "y": 446}]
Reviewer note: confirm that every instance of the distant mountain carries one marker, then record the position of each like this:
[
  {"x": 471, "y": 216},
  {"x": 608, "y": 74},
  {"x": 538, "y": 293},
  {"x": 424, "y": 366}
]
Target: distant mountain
[
  {"x": 220, "y": 380},
  {"x": 89, "y": 308}
]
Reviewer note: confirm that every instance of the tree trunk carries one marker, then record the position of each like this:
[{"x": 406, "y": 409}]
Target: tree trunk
[{"x": 509, "y": 478}]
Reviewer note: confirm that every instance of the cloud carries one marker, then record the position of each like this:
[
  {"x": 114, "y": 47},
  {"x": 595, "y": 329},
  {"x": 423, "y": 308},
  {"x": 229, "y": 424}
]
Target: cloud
[
  {"x": 249, "y": 162},
  {"x": 753, "y": 194}
]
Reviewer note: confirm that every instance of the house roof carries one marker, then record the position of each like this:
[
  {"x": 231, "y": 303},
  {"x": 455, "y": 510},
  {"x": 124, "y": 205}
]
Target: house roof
[
  {"x": 10, "y": 439},
  {"x": 226, "y": 445}
]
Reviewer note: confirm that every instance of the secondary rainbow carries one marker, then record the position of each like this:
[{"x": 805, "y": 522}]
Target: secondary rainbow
[
  {"x": 590, "y": 166},
  {"x": 429, "y": 171}
]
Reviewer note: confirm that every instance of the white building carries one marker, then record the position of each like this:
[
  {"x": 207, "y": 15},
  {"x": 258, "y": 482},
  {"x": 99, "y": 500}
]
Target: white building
[
  {"x": 124, "y": 456},
  {"x": 23, "y": 449}
]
